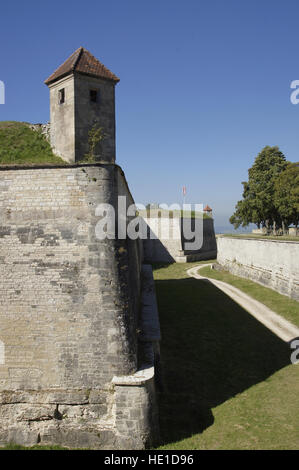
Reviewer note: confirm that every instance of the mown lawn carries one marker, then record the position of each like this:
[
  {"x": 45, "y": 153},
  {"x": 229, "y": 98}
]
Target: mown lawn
[
  {"x": 284, "y": 306},
  {"x": 228, "y": 380},
  {"x": 19, "y": 145}
]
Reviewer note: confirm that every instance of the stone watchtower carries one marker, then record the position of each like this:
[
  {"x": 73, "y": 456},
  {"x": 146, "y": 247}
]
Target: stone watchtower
[{"x": 82, "y": 95}]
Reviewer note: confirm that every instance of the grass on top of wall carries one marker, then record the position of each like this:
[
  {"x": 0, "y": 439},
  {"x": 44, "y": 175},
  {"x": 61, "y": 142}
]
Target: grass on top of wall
[
  {"x": 20, "y": 145},
  {"x": 228, "y": 382},
  {"x": 281, "y": 304},
  {"x": 173, "y": 214},
  {"x": 288, "y": 238}
]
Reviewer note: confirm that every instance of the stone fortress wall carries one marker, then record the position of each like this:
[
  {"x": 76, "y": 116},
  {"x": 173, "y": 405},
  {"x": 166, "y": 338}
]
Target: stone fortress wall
[
  {"x": 71, "y": 307},
  {"x": 162, "y": 248},
  {"x": 272, "y": 263}
]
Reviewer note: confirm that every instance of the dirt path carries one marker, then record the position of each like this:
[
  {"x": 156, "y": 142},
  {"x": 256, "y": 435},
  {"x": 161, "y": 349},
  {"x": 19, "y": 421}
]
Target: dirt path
[{"x": 277, "y": 324}]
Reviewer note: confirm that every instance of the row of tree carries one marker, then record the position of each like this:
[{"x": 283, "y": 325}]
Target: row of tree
[{"x": 271, "y": 194}]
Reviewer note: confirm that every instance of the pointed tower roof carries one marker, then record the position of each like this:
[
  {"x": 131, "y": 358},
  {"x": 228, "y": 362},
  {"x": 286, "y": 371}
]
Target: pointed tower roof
[
  {"x": 207, "y": 209},
  {"x": 83, "y": 62}
]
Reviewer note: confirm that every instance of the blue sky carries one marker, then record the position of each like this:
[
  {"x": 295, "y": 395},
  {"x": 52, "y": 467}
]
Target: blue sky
[{"x": 204, "y": 85}]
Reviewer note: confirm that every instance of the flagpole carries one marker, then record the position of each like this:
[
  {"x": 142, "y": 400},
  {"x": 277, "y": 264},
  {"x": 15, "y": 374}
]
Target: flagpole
[{"x": 184, "y": 196}]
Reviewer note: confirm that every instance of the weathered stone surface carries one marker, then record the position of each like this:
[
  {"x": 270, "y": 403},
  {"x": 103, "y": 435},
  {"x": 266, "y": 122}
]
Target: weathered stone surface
[
  {"x": 72, "y": 120},
  {"x": 69, "y": 312},
  {"x": 168, "y": 244},
  {"x": 272, "y": 263},
  {"x": 149, "y": 322},
  {"x": 137, "y": 413}
]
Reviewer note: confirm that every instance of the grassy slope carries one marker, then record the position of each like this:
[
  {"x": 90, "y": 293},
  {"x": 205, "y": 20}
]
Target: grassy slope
[
  {"x": 19, "y": 145},
  {"x": 228, "y": 380},
  {"x": 284, "y": 306}
]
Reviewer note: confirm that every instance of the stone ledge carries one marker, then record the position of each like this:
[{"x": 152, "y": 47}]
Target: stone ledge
[
  {"x": 256, "y": 239},
  {"x": 139, "y": 378},
  {"x": 188, "y": 258}
]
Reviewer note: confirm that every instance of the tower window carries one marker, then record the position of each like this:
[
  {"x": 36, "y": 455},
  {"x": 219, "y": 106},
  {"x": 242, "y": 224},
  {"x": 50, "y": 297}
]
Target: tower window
[
  {"x": 61, "y": 96},
  {"x": 93, "y": 94}
]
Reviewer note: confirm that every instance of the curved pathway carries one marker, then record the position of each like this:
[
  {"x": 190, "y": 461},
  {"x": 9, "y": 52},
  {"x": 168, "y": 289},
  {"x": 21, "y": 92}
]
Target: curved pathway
[{"x": 277, "y": 324}]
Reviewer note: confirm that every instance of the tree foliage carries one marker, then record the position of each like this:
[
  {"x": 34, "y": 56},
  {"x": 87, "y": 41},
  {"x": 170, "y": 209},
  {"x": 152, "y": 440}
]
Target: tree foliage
[
  {"x": 95, "y": 137},
  {"x": 271, "y": 194},
  {"x": 286, "y": 194}
]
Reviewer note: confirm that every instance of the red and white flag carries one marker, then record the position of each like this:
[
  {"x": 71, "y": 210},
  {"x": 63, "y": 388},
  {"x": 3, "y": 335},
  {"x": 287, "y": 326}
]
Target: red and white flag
[{"x": 184, "y": 190}]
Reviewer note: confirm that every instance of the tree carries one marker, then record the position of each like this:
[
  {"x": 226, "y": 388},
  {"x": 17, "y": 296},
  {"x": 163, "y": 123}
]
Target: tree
[
  {"x": 95, "y": 137},
  {"x": 246, "y": 211},
  {"x": 286, "y": 194},
  {"x": 257, "y": 205}
]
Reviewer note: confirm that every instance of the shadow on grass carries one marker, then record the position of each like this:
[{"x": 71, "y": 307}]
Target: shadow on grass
[{"x": 211, "y": 350}]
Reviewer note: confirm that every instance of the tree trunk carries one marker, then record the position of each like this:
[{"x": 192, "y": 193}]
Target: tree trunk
[{"x": 284, "y": 230}]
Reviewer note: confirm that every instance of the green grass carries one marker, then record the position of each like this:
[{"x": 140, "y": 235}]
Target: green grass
[
  {"x": 261, "y": 237},
  {"x": 19, "y": 145},
  {"x": 284, "y": 306},
  {"x": 168, "y": 271},
  {"x": 227, "y": 380},
  {"x": 160, "y": 213}
]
